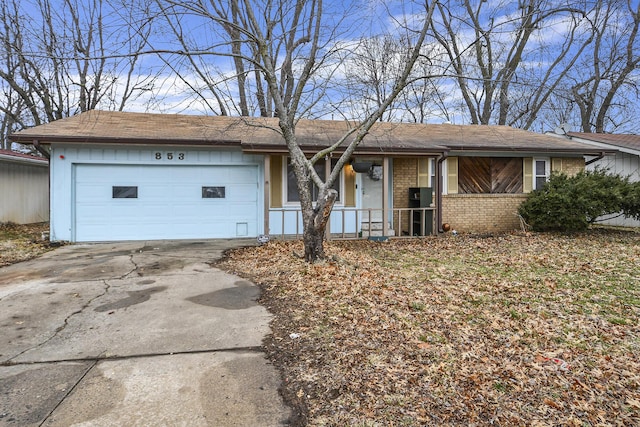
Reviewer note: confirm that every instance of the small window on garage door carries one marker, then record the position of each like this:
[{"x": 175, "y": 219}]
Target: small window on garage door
[
  {"x": 124, "y": 192},
  {"x": 213, "y": 192}
]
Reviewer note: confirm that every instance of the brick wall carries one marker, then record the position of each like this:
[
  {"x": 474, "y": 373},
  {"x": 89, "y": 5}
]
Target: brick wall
[
  {"x": 570, "y": 166},
  {"x": 405, "y": 175},
  {"x": 482, "y": 213},
  {"x": 473, "y": 213}
]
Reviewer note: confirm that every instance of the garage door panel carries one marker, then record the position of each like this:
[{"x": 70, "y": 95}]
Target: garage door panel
[
  {"x": 92, "y": 191},
  {"x": 169, "y": 203},
  {"x": 242, "y": 193}
]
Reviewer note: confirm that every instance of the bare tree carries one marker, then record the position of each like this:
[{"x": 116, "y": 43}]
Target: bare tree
[
  {"x": 61, "y": 57},
  {"x": 611, "y": 66},
  {"x": 531, "y": 64},
  {"x": 426, "y": 98},
  {"x": 286, "y": 45},
  {"x": 371, "y": 68},
  {"x": 237, "y": 87},
  {"x": 503, "y": 57}
]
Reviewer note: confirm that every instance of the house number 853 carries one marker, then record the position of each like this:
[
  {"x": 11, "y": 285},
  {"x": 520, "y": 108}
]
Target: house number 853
[{"x": 169, "y": 156}]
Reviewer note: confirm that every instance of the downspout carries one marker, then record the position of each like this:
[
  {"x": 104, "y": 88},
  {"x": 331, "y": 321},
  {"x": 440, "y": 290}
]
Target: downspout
[
  {"x": 41, "y": 149},
  {"x": 385, "y": 196},
  {"x": 47, "y": 155},
  {"x": 595, "y": 159},
  {"x": 267, "y": 193},
  {"x": 439, "y": 160}
]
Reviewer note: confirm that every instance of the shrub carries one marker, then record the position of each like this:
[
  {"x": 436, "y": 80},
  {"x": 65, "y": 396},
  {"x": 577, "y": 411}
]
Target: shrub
[
  {"x": 631, "y": 202},
  {"x": 572, "y": 203}
]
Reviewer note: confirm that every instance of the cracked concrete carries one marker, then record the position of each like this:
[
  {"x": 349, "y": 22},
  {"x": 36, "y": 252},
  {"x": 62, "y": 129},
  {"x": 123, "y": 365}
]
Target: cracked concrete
[{"x": 136, "y": 333}]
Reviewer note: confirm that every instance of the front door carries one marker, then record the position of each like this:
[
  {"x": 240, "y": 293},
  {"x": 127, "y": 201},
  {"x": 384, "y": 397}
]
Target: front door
[{"x": 372, "y": 194}]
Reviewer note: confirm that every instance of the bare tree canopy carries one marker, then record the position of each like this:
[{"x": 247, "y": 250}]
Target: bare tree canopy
[
  {"x": 535, "y": 64},
  {"x": 58, "y": 58},
  {"x": 605, "y": 85},
  {"x": 530, "y": 64}
]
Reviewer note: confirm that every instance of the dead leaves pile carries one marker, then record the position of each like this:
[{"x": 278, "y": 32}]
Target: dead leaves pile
[
  {"x": 21, "y": 242},
  {"x": 517, "y": 329}
]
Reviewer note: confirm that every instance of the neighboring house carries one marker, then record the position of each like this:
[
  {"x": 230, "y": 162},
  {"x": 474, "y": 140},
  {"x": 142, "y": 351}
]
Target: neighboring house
[
  {"x": 24, "y": 188},
  {"x": 135, "y": 176},
  {"x": 626, "y": 162}
]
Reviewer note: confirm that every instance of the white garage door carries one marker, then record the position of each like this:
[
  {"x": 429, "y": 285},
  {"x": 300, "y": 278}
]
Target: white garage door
[{"x": 142, "y": 202}]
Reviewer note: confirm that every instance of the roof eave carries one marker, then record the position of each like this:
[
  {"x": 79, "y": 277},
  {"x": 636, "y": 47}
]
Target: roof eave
[
  {"x": 24, "y": 160},
  {"x": 520, "y": 150},
  {"x": 48, "y": 140},
  {"x": 614, "y": 146},
  {"x": 360, "y": 151}
]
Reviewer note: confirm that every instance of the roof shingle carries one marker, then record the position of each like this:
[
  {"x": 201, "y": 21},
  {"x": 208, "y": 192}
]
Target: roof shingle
[
  {"x": 618, "y": 140},
  {"x": 263, "y": 134}
]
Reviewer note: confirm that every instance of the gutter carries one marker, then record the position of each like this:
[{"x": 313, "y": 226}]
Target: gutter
[
  {"x": 24, "y": 160},
  {"x": 359, "y": 152},
  {"x": 41, "y": 149},
  {"x": 91, "y": 140}
]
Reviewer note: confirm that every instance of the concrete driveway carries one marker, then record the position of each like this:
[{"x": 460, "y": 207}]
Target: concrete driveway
[{"x": 135, "y": 334}]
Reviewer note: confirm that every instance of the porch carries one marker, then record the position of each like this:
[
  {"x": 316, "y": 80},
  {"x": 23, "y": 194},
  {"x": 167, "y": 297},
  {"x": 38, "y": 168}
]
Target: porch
[
  {"x": 358, "y": 223},
  {"x": 400, "y": 190}
]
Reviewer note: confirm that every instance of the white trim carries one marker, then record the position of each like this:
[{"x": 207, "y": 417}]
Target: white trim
[
  {"x": 25, "y": 160},
  {"x": 547, "y": 170},
  {"x": 606, "y": 145},
  {"x": 285, "y": 187}
]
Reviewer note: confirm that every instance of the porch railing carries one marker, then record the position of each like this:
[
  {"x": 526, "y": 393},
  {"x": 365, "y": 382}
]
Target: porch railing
[{"x": 354, "y": 223}]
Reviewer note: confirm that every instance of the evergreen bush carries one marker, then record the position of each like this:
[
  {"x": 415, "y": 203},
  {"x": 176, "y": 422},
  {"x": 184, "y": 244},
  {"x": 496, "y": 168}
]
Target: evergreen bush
[{"x": 573, "y": 203}]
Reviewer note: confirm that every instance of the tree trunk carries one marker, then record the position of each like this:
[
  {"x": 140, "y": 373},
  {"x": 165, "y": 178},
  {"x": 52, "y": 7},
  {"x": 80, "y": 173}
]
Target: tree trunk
[
  {"x": 316, "y": 224},
  {"x": 313, "y": 244}
]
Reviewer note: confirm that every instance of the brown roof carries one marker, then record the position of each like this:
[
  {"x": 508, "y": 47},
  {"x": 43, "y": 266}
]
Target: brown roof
[
  {"x": 624, "y": 141},
  {"x": 262, "y": 134}
]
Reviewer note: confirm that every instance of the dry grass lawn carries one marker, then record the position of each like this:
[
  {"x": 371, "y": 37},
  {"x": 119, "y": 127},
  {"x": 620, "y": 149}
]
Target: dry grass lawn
[
  {"x": 21, "y": 242},
  {"x": 515, "y": 329}
]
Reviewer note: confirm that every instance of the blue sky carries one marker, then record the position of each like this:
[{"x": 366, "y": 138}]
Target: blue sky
[{"x": 356, "y": 18}]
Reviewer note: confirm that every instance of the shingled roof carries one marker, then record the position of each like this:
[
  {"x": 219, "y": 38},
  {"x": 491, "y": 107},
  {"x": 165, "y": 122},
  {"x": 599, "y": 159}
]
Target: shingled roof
[
  {"x": 262, "y": 134},
  {"x": 617, "y": 140}
]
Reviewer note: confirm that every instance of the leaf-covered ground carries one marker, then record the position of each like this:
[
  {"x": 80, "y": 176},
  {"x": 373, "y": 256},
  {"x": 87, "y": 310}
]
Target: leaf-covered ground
[
  {"x": 516, "y": 329},
  {"x": 21, "y": 242}
]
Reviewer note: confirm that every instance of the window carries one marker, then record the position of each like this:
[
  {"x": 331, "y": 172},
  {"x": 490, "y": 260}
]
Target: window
[
  {"x": 541, "y": 173},
  {"x": 292, "y": 186},
  {"x": 213, "y": 192},
  {"x": 122, "y": 192},
  {"x": 426, "y": 172},
  {"x": 479, "y": 175}
]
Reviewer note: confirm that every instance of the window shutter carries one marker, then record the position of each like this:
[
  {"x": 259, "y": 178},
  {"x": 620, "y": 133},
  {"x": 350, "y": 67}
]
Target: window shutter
[
  {"x": 349, "y": 186},
  {"x": 474, "y": 175},
  {"x": 452, "y": 175},
  {"x": 556, "y": 165},
  {"x": 527, "y": 175},
  {"x": 423, "y": 172},
  {"x": 275, "y": 181}
]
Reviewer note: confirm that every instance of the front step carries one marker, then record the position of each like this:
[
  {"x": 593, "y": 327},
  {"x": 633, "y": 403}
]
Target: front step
[{"x": 376, "y": 229}]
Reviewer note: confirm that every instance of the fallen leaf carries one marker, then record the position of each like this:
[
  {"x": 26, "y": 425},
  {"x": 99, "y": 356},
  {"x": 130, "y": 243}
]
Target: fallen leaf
[{"x": 552, "y": 403}]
